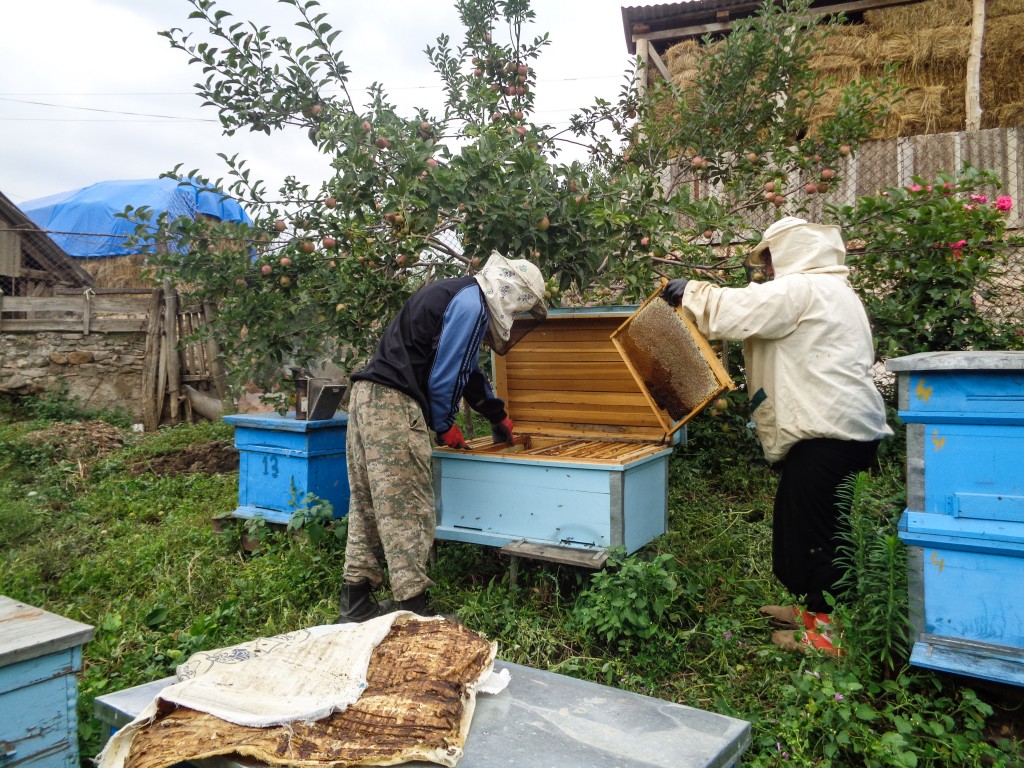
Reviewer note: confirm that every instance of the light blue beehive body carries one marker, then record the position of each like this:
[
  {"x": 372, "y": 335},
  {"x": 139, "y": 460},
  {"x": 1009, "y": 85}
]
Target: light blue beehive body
[
  {"x": 40, "y": 657},
  {"x": 964, "y": 519},
  {"x": 281, "y": 459},
  {"x": 566, "y": 391}
]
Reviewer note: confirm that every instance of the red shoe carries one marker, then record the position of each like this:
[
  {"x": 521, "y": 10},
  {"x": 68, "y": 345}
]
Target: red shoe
[{"x": 802, "y": 642}]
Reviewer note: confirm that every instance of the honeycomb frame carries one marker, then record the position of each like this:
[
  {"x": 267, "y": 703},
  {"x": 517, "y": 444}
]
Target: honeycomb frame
[{"x": 671, "y": 360}]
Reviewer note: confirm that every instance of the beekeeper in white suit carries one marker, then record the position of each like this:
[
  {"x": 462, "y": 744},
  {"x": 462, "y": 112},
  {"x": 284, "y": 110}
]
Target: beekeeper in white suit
[{"x": 808, "y": 352}]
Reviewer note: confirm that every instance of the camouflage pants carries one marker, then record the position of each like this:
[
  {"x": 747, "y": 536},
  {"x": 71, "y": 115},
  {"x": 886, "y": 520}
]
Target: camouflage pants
[{"x": 392, "y": 507}]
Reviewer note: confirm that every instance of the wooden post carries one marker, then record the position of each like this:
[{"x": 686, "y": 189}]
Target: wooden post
[
  {"x": 150, "y": 365},
  {"x": 973, "y": 81},
  {"x": 171, "y": 349},
  {"x": 86, "y": 310},
  {"x": 213, "y": 351},
  {"x": 642, "y": 47}
]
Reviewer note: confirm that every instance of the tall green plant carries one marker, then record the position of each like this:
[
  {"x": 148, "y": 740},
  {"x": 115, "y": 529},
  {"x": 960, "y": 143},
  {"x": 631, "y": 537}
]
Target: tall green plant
[{"x": 875, "y": 575}]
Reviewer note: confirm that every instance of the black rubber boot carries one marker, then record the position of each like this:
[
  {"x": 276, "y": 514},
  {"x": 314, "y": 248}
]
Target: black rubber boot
[
  {"x": 418, "y": 605},
  {"x": 357, "y": 604}
]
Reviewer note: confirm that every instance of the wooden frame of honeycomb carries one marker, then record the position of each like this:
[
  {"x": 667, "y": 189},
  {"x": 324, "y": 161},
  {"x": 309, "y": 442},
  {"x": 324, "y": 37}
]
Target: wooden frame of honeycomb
[{"x": 672, "y": 361}]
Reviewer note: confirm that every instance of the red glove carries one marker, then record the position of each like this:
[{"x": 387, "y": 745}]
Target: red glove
[
  {"x": 453, "y": 438},
  {"x": 501, "y": 431}
]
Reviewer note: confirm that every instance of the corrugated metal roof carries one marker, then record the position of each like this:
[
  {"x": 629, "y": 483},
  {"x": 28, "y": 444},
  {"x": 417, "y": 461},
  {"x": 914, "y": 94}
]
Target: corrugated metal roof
[
  {"x": 656, "y": 18},
  {"x": 46, "y": 251},
  {"x": 642, "y": 19}
]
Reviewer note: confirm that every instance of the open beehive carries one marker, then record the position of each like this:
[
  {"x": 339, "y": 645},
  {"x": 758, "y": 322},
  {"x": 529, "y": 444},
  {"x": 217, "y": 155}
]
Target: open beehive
[{"x": 590, "y": 465}]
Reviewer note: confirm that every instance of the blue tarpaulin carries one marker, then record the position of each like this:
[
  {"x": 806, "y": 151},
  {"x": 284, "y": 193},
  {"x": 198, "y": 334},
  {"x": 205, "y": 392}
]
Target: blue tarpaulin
[{"x": 84, "y": 222}]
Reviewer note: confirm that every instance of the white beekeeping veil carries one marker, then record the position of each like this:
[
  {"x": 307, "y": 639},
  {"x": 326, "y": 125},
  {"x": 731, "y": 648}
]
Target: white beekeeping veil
[{"x": 511, "y": 287}]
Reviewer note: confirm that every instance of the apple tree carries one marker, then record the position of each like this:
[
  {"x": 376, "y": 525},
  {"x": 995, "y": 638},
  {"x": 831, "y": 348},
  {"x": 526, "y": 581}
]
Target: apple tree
[{"x": 417, "y": 197}]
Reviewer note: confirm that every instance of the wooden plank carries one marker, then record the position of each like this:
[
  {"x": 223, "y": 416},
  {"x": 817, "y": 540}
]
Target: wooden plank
[
  {"x": 554, "y": 345},
  {"x": 569, "y": 356},
  {"x": 161, "y": 374},
  {"x": 150, "y": 365},
  {"x": 218, "y": 375},
  {"x": 24, "y": 325},
  {"x": 584, "y": 558},
  {"x": 562, "y": 384},
  {"x": 86, "y": 312},
  {"x": 119, "y": 325},
  {"x": 593, "y": 370},
  {"x": 607, "y": 422},
  {"x": 542, "y": 335},
  {"x": 171, "y": 349},
  {"x": 131, "y": 305},
  {"x": 633, "y": 399},
  {"x": 73, "y": 325},
  {"x": 587, "y": 430},
  {"x": 39, "y": 304}
]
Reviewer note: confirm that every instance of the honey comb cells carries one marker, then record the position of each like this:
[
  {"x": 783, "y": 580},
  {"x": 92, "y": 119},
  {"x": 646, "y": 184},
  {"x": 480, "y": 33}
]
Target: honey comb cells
[{"x": 666, "y": 355}]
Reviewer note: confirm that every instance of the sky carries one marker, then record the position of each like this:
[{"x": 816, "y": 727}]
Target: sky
[{"x": 90, "y": 92}]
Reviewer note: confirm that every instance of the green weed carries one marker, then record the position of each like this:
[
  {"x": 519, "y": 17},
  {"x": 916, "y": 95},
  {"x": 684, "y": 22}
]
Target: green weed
[{"x": 134, "y": 554}]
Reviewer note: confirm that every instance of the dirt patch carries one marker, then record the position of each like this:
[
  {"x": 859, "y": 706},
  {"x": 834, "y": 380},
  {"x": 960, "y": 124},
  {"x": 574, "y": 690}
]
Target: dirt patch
[
  {"x": 79, "y": 440},
  {"x": 217, "y": 458}
]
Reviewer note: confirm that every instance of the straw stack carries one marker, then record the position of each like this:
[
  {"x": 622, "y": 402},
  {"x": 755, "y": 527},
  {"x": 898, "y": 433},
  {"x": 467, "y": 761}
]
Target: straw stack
[{"x": 928, "y": 41}]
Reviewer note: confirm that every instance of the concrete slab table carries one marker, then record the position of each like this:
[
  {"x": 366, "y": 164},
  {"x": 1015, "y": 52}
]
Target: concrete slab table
[{"x": 548, "y": 719}]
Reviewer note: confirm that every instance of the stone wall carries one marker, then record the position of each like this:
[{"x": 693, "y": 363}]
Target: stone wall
[{"x": 102, "y": 370}]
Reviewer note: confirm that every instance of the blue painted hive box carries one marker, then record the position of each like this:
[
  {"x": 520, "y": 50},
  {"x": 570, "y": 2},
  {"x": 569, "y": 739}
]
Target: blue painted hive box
[
  {"x": 40, "y": 658},
  {"x": 597, "y": 418},
  {"x": 964, "y": 520},
  {"x": 282, "y": 459}
]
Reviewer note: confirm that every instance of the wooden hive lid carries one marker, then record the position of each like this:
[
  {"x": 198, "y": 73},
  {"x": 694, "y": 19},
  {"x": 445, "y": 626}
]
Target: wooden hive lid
[
  {"x": 565, "y": 378},
  {"x": 27, "y": 632}
]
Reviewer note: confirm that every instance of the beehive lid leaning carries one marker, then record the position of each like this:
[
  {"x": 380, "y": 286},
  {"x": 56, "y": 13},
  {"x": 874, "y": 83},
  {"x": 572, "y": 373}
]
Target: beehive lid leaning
[{"x": 671, "y": 360}]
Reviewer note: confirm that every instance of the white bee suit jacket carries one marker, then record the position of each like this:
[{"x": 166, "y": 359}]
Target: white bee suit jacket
[{"x": 806, "y": 342}]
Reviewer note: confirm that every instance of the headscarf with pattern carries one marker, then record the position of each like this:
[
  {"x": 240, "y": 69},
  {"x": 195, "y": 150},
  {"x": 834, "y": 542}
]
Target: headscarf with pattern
[{"x": 511, "y": 287}]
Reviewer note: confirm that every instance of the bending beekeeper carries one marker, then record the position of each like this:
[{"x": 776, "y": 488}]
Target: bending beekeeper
[
  {"x": 411, "y": 389},
  {"x": 808, "y": 352}
]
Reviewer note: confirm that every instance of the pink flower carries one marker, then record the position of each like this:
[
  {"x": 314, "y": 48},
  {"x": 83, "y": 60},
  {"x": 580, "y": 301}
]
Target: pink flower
[
  {"x": 915, "y": 187},
  {"x": 956, "y": 249},
  {"x": 1004, "y": 203},
  {"x": 839, "y": 697},
  {"x": 979, "y": 198}
]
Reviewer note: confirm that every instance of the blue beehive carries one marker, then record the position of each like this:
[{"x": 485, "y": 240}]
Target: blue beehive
[
  {"x": 281, "y": 459},
  {"x": 40, "y": 658},
  {"x": 592, "y": 471},
  {"x": 964, "y": 520}
]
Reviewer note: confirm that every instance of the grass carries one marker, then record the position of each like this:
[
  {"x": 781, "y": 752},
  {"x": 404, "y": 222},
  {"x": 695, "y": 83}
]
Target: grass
[{"x": 132, "y": 553}]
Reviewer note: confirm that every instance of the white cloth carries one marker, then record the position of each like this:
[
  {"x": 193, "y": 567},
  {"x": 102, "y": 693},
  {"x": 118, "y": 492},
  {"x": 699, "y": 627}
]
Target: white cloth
[
  {"x": 510, "y": 287},
  {"x": 807, "y": 343}
]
